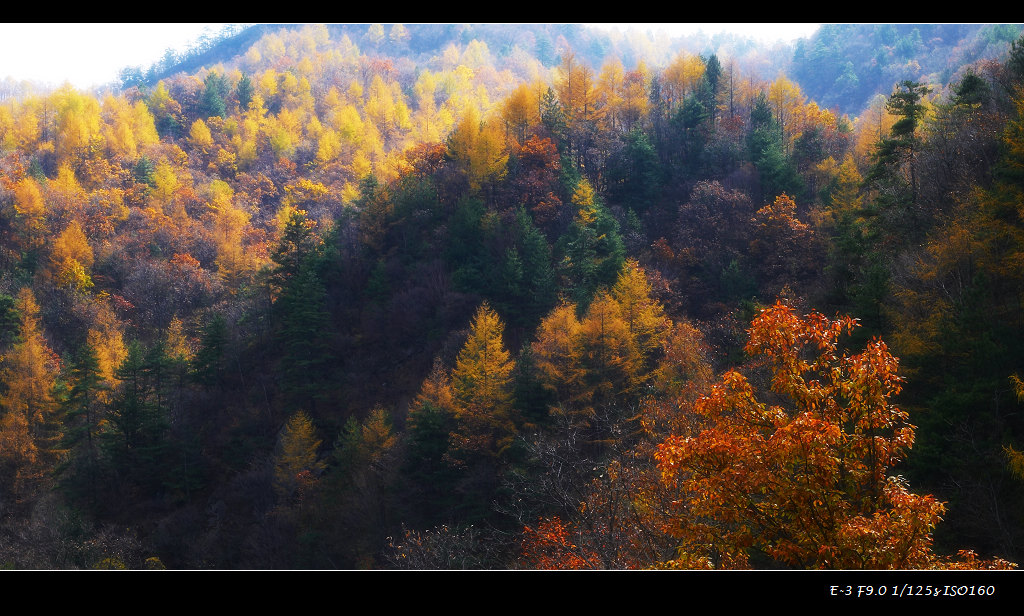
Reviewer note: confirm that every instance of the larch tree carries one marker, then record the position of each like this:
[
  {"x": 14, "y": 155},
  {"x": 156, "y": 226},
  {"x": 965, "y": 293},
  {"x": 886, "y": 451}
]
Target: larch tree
[
  {"x": 30, "y": 428},
  {"x": 296, "y": 461},
  {"x": 482, "y": 384}
]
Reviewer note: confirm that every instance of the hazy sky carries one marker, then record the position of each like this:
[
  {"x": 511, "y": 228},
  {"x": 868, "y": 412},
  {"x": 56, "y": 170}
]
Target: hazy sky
[
  {"x": 764, "y": 32},
  {"x": 88, "y": 54},
  {"x": 92, "y": 54}
]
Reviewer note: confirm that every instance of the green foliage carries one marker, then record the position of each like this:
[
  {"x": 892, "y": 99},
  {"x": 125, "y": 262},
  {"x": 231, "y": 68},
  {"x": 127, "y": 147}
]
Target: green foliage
[
  {"x": 143, "y": 172},
  {"x": 592, "y": 249},
  {"x": 633, "y": 173},
  {"x": 765, "y": 147},
  {"x": 136, "y": 442},
  {"x": 209, "y": 365},
  {"x": 84, "y": 413},
  {"x": 215, "y": 91},
  {"x": 244, "y": 92},
  {"x": 303, "y": 322},
  {"x": 9, "y": 318}
]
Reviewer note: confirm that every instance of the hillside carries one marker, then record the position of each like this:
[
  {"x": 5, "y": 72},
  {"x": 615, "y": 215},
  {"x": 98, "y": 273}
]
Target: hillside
[{"x": 468, "y": 296}]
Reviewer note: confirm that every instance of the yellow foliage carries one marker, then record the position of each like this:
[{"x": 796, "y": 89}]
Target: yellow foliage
[
  {"x": 71, "y": 257},
  {"x": 199, "y": 136},
  {"x": 479, "y": 149},
  {"x": 28, "y": 202},
  {"x": 78, "y": 122},
  {"x": 165, "y": 182},
  {"x": 482, "y": 385},
  {"x": 296, "y": 464}
]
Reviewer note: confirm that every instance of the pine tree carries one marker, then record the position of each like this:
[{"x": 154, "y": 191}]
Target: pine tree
[
  {"x": 303, "y": 323},
  {"x": 893, "y": 176},
  {"x": 592, "y": 247},
  {"x": 83, "y": 416},
  {"x": 137, "y": 444}
]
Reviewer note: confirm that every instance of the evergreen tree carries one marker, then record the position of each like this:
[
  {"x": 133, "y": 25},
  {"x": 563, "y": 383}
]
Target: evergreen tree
[
  {"x": 764, "y": 142},
  {"x": 592, "y": 247},
  {"x": 244, "y": 92},
  {"x": 633, "y": 173},
  {"x": 894, "y": 174},
  {"x": 215, "y": 91},
  {"x": 137, "y": 443},
  {"x": 208, "y": 367},
  {"x": 83, "y": 415},
  {"x": 303, "y": 326}
]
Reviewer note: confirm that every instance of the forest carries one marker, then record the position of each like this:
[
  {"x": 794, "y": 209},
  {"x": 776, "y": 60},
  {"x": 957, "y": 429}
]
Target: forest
[{"x": 440, "y": 296}]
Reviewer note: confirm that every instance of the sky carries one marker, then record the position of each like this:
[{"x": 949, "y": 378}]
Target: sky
[
  {"x": 763, "y": 32},
  {"x": 93, "y": 54},
  {"x": 88, "y": 54}
]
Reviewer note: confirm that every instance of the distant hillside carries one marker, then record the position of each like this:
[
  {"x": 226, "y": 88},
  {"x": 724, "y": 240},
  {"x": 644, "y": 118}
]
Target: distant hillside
[
  {"x": 841, "y": 66},
  {"x": 844, "y": 65}
]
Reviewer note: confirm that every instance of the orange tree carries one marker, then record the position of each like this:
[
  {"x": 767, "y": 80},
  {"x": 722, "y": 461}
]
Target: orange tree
[{"x": 799, "y": 477}]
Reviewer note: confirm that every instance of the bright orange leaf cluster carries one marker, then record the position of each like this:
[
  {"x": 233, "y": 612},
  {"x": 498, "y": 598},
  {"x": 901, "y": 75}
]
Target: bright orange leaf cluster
[{"x": 801, "y": 481}]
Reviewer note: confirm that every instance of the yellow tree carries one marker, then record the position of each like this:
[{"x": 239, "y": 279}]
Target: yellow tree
[
  {"x": 609, "y": 92},
  {"x": 519, "y": 111},
  {"x": 482, "y": 385},
  {"x": 30, "y": 212},
  {"x": 29, "y": 429},
  {"x": 127, "y": 126},
  {"x": 296, "y": 463},
  {"x": 681, "y": 78},
  {"x": 610, "y": 355},
  {"x": 644, "y": 316},
  {"x": 786, "y": 100},
  {"x": 575, "y": 87},
  {"x": 557, "y": 356},
  {"x": 636, "y": 102},
  {"x": 871, "y": 126},
  {"x": 229, "y": 224},
  {"x": 479, "y": 149},
  {"x": 78, "y": 123},
  {"x": 199, "y": 136},
  {"x": 71, "y": 258}
]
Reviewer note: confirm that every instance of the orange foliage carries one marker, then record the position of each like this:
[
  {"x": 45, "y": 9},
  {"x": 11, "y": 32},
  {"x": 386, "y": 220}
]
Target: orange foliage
[
  {"x": 551, "y": 546},
  {"x": 803, "y": 483}
]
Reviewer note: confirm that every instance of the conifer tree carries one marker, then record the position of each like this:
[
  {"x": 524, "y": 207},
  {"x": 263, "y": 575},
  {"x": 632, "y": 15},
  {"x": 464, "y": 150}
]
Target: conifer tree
[
  {"x": 482, "y": 385},
  {"x": 296, "y": 463},
  {"x": 592, "y": 247},
  {"x": 83, "y": 415},
  {"x": 30, "y": 429}
]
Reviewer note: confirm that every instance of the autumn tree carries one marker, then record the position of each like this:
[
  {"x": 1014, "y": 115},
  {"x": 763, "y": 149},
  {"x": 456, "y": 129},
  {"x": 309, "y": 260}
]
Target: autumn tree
[
  {"x": 575, "y": 87},
  {"x": 297, "y": 464},
  {"x": 785, "y": 249},
  {"x": 30, "y": 427},
  {"x": 482, "y": 387},
  {"x": 801, "y": 479},
  {"x": 479, "y": 149}
]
